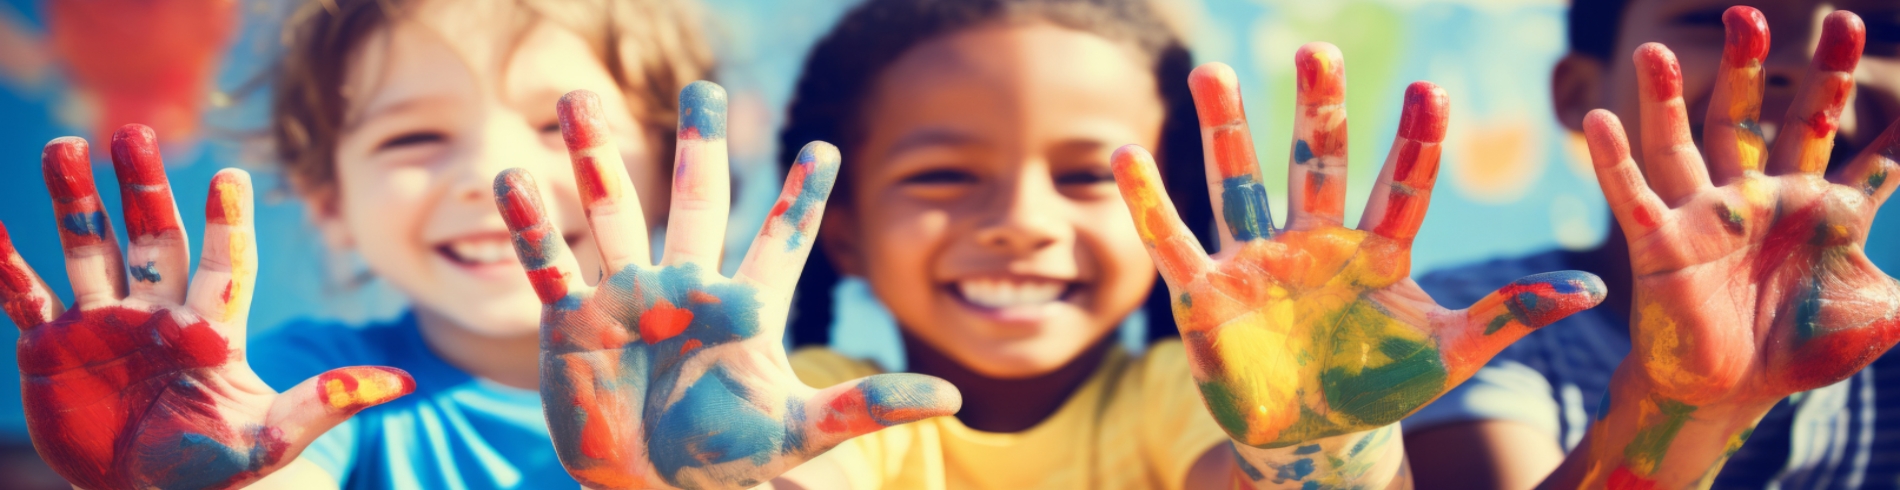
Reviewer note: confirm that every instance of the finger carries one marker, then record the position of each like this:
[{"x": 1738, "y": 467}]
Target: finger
[
  {"x": 696, "y": 227},
  {"x": 1404, "y": 189},
  {"x": 1803, "y": 146},
  {"x": 159, "y": 254},
  {"x": 28, "y": 300},
  {"x": 1873, "y": 171},
  {"x": 778, "y": 254},
  {"x": 1513, "y": 311},
  {"x": 1233, "y": 172},
  {"x": 1176, "y": 253},
  {"x": 93, "y": 263},
  {"x": 318, "y": 404},
  {"x": 1732, "y": 132},
  {"x": 866, "y": 405},
  {"x": 1671, "y": 161},
  {"x": 1316, "y": 178},
  {"x": 1635, "y": 207},
  {"x": 542, "y": 249},
  {"x": 612, "y": 204},
  {"x": 227, "y": 272}
]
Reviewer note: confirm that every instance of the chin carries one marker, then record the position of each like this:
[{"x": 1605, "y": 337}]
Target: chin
[{"x": 1024, "y": 358}]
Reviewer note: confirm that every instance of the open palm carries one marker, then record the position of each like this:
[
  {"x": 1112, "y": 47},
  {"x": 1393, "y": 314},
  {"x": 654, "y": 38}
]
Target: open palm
[
  {"x": 1315, "y": 330},
  {"x": 672, "y": 375},
  {"x": 147, "y": 386},
  {"x": 1750, "y": 281}
]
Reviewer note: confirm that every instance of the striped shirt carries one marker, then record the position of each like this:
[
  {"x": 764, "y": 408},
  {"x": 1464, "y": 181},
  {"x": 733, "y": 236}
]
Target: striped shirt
[{"x": 1552, "y": 380}]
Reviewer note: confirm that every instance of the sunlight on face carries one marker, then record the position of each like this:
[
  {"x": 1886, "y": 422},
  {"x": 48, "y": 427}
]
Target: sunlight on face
[
  {"x": 439, "y": 104},
  {"x": 981, "y": 207}
]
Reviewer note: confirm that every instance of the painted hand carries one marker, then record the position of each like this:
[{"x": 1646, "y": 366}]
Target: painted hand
[
  {"x": 147, "y": 386},
  {"x": 1315, "y": 330},
  {"x": 1750, "y": 281},
  {"x": 672, "y": 375}
]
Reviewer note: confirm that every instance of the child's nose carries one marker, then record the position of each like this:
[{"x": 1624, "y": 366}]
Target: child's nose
[
  {"x": 1025, "y": 217},
  {"x": 502, "y": 144}
]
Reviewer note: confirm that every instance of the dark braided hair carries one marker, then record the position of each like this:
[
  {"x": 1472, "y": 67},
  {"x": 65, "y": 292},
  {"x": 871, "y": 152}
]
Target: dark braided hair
[{"x": 841, "y": 70}]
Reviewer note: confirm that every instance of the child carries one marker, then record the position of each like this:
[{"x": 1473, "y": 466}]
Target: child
[
  {"x": 1521, "y": 412},
  {"x": 978, "y": 207},
  {"x": 391, "y": 119}
]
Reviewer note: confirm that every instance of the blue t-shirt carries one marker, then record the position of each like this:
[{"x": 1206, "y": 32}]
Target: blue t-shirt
[
  {"x": 456, "y": 431},
  {"x": 1845, "y": 435}
]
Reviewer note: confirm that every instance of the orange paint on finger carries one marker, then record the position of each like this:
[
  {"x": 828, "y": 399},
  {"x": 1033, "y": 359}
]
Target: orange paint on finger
[
  {"x": 1321, "y": 75},
  {"x": 1216, "y": 95},
  {"x": 1324, "y": 194},
  {"x": 354, "y": 388},
  {"x": 1233, "y": 151}
]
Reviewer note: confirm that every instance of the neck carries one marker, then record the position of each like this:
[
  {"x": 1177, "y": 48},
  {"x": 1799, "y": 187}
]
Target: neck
[
  {"x": 1610, "y": 261},
  {"x": 1007, "y": 405},
  {"x": 511, "y": 361}
]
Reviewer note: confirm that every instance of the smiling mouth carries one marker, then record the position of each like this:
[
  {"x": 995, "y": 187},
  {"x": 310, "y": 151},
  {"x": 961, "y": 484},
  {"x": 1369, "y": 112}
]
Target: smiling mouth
[
  {"x": 1013, "y": 293},
  {"x": 483, "y": 250}
]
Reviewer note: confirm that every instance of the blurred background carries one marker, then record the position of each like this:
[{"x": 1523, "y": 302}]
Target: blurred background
[{"x": 1514, "y": 181}]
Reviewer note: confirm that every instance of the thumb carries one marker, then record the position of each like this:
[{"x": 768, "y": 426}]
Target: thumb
[
  {"x": 1510, "y": 313},
  {"x": 320, "y": 403},
  {"x": 866, "y": 405}
]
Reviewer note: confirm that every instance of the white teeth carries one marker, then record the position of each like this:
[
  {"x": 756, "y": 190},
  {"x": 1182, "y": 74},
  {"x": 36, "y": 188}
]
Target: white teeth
[
  {"x": 482, "y": 251},
  {"x": 994, "y": 293}
]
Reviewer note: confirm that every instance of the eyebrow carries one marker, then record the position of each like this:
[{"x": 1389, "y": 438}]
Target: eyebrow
[
  {"x": 931, "y": 137},
  {"x": 401, "y": 105}
]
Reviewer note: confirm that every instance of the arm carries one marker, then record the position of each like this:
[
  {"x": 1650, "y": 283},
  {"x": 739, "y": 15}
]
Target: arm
[
  {"x": 1750, "y": 280},
  {"x": 145, "y": 385},
  {"x": 1309, "y": 343},
  {"x": 670, "y": 374}
]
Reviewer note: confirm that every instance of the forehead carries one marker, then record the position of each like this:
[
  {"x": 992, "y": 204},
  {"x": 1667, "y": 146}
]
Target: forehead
[
  {"x": 1023, "y": 71},
  {"x": 466, "y": 49}
]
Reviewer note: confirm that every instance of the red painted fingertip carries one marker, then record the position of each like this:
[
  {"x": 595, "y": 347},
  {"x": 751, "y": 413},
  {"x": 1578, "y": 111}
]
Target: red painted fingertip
[
  {"x": 1321, "y": 72},
  {"x": 1747, "y": 37},
  {"x": 224, "y": 205},
  {"x": 1427, "y": 111},
  {"x": 1661, "y": 74},
  {"x": 135, "y": 155},
  {"x": 67, "y": 167},
  {"x": 519, "y": 199},
  {"x": 1842, "y": 37},
  {"x": 1216, "y": 94},
  {"x": 581, "y": 124}
]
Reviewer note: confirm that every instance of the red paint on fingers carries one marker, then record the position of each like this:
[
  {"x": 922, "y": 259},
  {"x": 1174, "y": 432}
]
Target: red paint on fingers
[
  {"x": 581, "y": 125},
  {"x": 1216, "y": 95},
  {"x": 24, "y": 305},
  {"x": 1747, "y": 35},
  {"x": 847, "y": 414},
  {"x": 67, "y": 168},
  {"x": 1842, "y": 37},
  {"x": 224, "y": 205},
  {"x": 146, "y": 193},
  {"x": 1417, "y": 165},
  {"x": 549, "y": 284},
  {"x": 1321, "y": 73},
  {"x": 1233, "y": 151},
  {"x": 1662, "y": 75},
  {"x": 1324, "y": 193},
  {"x": 1427, "y": 112},
  {"x": 1403, "y": 213}
]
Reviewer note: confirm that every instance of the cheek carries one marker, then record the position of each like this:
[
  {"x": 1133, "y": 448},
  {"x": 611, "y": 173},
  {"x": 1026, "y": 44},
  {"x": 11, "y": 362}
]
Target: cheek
[
  {"x": 900, "y": 250},
  {"x": 385, "y": 209},
  {"x": 1108, "y": 238}
]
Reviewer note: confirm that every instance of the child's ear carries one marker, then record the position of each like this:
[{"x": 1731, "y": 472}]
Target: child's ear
[
  {"x": 837, "y": 239},
  {"x": 1576, "y": 88}
]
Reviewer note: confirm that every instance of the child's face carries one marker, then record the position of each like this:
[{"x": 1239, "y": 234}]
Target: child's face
[
  {"x": 1693, "y": 30},
  {"x": 981, "y": 207},
  {"x": 438, "y": 105}
]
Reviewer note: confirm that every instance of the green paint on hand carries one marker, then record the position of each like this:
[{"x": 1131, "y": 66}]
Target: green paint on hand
[
  {"x": 1497, "y": 323},
  {"x": 1646, "y": 451},
  {"x": 1382, "y": 395}
]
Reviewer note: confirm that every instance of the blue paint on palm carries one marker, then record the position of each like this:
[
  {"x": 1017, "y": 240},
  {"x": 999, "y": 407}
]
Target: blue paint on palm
[
  {"x": 1244, "y": 206},
  {"x": 713, "y": 423},
  {"x": 703, "y": 111}
]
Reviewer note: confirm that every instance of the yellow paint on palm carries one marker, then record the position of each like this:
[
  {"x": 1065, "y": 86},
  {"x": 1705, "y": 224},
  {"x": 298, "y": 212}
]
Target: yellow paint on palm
[
  {"x": 1758, "y": 190},
  {"x": 1745, "y": 110},
  {"x": 1268, "y": 382},
  {"x": 1658, "y": 332}
]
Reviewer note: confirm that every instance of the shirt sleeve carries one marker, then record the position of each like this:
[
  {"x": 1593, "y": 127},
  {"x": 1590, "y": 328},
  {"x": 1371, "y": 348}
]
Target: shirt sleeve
[
  {"x": 1176, "y": 425},
  {"x": 1502, "y": 390}
]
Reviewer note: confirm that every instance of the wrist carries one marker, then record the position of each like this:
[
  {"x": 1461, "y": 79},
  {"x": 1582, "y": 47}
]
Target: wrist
[
  {"x": 1369, "y": 459},
  {"x": 1645, "y": 437}
]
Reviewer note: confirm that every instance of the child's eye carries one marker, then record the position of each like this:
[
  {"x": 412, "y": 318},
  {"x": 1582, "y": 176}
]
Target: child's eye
[
  {"x": 1086, "y": 177},
  {"x": 553, "y": 127},
  {"x": 412, "y": 139},
  {"x": 939, "y": 177}
]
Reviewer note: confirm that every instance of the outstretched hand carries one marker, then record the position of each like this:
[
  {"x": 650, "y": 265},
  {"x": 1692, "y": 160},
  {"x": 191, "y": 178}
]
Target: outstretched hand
[
  {"x": 147, "y": 386},
  {"x": 1750, "y": 280},
  {"x": 670, "y": 374}
]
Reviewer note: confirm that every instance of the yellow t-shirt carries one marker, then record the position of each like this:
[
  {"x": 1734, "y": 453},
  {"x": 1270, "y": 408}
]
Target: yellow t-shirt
[{"x": 1136, "y": 423}]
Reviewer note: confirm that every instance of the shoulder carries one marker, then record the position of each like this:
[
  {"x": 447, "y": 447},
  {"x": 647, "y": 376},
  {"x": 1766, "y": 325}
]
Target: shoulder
[
  {"x": 821, "y": 367},
  {"x": 294, "y": 351}
]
